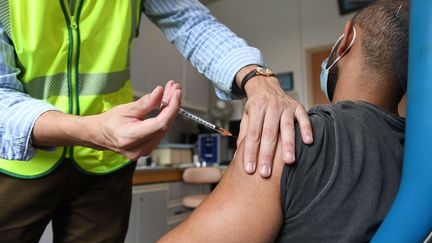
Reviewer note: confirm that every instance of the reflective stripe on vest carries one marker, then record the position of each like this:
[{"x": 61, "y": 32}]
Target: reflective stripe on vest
[{"x": 78, "y": 62}]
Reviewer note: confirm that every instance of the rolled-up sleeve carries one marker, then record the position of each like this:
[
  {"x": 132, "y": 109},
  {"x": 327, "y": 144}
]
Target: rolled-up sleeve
[
  {"x": 209, "y": 45},
  {"x": 18, "y": 111}
]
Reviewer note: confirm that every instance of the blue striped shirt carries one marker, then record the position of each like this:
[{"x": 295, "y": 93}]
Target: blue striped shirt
[{"x": 210, "y": 46}]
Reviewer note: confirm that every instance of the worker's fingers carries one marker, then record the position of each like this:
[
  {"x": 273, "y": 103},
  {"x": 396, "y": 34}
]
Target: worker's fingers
[
  {"x": 255, "y": 112},
  {"x": 164, "y": 119},
  {"x": 170, "y": 88},
  {"x": 288, "y": 137},
  {"x": 269, "y": 138},
  {"x": 169, "y": 113},
  {"x": 305, "y": 125},
  {"x": 144, "y": 148},
  {"x": 148, "y": 128},
  {"x": 124, "y": 127},
  {"x": 168, "y": 92},
  {"x": 145, "y": 104}
]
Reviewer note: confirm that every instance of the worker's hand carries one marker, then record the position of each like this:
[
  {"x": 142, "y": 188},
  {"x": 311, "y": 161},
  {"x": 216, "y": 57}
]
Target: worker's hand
[
  {"x": 268, "y": 112},
  {"x": 125, "y": 130}
]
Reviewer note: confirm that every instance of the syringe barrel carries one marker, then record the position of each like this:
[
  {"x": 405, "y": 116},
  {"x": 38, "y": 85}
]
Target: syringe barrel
[{"x": 197, "y": 118}]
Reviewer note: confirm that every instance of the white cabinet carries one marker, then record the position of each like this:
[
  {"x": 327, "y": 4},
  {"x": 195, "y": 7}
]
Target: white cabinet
[
  {"x": 147, "y": 221},
  {"x": 155, "y": 60},
  {"x": 157, "y": 208},
  {"x": 196, "y": 89}
]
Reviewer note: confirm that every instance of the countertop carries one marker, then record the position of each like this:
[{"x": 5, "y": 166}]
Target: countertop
[{"x": 159, "y": 174}]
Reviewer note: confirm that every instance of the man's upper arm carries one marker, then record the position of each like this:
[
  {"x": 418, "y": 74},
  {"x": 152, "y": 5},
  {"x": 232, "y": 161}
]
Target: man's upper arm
[{"x": 242, "y": 208}]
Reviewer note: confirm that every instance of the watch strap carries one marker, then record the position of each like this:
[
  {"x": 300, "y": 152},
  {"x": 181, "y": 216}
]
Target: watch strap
[{"x": 248, "y": 77}]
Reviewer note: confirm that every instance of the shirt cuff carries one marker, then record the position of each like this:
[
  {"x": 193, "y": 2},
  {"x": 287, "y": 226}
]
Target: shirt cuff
[
  {"x": 16, "y": 145},
  {"x": 230, "y": 65}
]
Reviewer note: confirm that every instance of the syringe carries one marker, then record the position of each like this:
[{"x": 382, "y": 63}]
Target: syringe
[
  {"x": 193, "y": 117},
  {"x": 205, "y": 123}
]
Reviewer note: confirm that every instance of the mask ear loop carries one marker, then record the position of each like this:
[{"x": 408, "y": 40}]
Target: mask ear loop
[{"x": 346, "y": 50}]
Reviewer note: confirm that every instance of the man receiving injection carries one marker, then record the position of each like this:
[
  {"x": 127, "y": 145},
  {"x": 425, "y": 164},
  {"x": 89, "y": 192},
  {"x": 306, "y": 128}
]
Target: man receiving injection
[{"x": 65, "y": 85}]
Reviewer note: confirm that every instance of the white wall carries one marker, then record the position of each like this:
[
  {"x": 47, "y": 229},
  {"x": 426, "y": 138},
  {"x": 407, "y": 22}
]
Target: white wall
[{"x": 283, "y": 30}]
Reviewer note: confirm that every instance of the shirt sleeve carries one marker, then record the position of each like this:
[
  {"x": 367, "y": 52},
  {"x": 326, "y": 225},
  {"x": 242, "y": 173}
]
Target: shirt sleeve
[
  {"x": 209, "y": 45},
  {"x": 304, "y": 181},
  {"x": 18, "y": 111}
]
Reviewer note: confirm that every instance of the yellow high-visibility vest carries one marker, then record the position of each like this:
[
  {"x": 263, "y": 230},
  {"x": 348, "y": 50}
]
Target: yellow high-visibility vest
[{"x": 76, "y": 60}]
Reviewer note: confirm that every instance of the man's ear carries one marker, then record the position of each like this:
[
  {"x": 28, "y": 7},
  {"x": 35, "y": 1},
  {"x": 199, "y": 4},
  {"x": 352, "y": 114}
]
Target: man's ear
[{"x": 346, "y": 40}]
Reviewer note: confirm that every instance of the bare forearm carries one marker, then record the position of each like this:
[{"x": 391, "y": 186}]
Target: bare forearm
[{"x": 54, "y": 128}]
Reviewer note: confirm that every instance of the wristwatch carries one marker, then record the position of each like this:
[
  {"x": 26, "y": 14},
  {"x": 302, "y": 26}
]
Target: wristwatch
[{"x": 258, "y": 71}]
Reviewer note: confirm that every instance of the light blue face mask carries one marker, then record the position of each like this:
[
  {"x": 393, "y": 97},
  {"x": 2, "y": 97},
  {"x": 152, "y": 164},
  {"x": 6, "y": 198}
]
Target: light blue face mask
[{"x": 325, "y": 68}]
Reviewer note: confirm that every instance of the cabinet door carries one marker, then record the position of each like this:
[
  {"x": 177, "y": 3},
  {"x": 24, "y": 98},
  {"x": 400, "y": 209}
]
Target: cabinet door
[
  {"x": 154, "y": 60},
  {"x": 196, "y": 89},
  {"x": 148, "y": 218},
  {"x": 132, "y": 235}
]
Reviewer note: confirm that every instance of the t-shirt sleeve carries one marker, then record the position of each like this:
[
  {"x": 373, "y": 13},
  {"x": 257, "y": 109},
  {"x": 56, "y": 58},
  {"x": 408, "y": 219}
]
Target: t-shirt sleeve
[{"x": 302, "y": 182}]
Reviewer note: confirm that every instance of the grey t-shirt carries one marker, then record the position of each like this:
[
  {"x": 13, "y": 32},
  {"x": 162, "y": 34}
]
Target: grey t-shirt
[{"x": 342, "y": 185}]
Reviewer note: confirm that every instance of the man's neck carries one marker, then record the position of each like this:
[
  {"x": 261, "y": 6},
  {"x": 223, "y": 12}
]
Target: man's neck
[
  {"x": 368, "y": 91},
  {"x": 388, "y": 106}
]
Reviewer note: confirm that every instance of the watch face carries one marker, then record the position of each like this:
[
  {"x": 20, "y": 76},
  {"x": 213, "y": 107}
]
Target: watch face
[{"x": 264, "y": 71}]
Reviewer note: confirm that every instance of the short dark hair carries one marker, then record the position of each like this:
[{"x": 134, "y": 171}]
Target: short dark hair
[{"x": 385, "y": 25}]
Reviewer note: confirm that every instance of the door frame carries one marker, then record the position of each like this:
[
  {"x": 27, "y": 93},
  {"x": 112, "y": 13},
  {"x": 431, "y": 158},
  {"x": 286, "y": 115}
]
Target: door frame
[{"x": 309, "y": 81}]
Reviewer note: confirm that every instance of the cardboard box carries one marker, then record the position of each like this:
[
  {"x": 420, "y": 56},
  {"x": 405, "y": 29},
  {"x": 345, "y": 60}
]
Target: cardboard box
[{"x": 171, "y": 154}]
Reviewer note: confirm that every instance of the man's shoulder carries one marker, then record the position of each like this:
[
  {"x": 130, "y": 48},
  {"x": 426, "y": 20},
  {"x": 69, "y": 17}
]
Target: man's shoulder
[
  {"x": 350, "y": 117},
  {"x": 356, "y": 152},
  {"x": 322, "y": 119}
]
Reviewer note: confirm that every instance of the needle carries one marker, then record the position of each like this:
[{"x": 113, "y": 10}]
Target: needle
[{"x": 222, "y": 131}]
